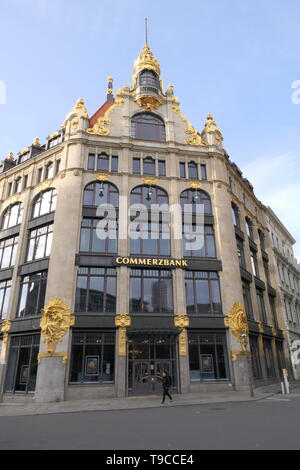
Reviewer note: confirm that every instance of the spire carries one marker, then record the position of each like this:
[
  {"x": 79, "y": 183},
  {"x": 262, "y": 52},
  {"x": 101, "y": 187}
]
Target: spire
[
  {"x": 110, "y": 92},
  {"x": 146, "y": 31},
  {"x": 146, "y": 60}
]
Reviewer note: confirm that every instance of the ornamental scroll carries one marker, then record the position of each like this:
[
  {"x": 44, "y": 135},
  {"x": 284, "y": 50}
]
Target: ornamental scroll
[
  {"x": 55, "y": 323},
  {"x": 122, "y": 320},
  {"x": 236, "y": 321},
  {"x": 5, "y": 328},
  {"x": 182, "y": 322}
]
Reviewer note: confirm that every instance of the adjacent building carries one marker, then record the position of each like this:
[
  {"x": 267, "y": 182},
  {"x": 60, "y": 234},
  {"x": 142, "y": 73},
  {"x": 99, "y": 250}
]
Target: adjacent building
[{"x": 85, "y": 315}]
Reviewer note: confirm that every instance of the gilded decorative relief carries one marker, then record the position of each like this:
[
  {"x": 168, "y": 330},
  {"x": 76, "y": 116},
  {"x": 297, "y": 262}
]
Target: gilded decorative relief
[
  {"x": 102, "y": 176},
  {"x": 150, "y": 181},
  {"x": 122, "y": 320},
  {"x": 80, "y": 109},
  {"x": 5, "y": 328},
  {"x": 195, "y": 137},
  {"x": 182, "y": 343},
  {"x": 181, "y": 321},
  {"x": 99, "y": 127},
  {"x": 122, "y": 341},
  {"x": 195, "y": 185},
  {"x": 148, "y": 102},
  {"x": 55, "y": 323},
  {"x": 236, "y": 321}
]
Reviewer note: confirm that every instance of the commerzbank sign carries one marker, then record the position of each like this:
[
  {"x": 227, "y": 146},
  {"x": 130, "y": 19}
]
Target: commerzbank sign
[{"x": 170, "y": 263}]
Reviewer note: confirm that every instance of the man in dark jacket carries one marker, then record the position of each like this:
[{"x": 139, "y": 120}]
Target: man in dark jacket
[{"x": 166, "y": 383}]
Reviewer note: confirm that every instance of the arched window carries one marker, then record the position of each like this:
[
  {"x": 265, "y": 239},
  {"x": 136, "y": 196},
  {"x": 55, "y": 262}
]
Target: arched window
[
  {"x": 12, "y": 215},
  {"x": 198, "y": 241},
  {"x": 148, "y": 126},
  {"x": 148, "y": 77},
  {"x": 44, "y": 203},
  {"x": 99, "y": 234},
  {"x": 149, "y": 229}
]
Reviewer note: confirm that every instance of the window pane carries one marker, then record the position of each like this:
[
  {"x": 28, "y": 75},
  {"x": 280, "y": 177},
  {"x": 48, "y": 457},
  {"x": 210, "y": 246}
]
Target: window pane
[
  {"x": 91, "y": 161},
  {"x": 161, "y": 168},
  {"x": 114, "y": 163},
  {"x": 81, "y": 293},
  {"x": 96, "y": 294},
  {"x": 136, "y": 165},
  {"x": 202, "y": 293}
]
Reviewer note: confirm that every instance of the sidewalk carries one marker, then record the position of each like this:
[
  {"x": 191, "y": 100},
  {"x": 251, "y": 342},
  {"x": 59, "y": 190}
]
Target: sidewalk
[{"x": 105, "y": 404}]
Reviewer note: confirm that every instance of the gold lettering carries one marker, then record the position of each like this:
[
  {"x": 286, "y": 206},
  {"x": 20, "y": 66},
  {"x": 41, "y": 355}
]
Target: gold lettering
[
  {"x": 155, "y": 261},
  {"x": 183, "y": 263},
  {"x": 142, "y": 261},
  {"x": 149, "y": 261},
  {"x": 178, "y": 262},
  {"x": 160, "y": 262},
  {"x": 166, "y": 262},
  {"x": 133, "y": 261},
  {"x": 172, "y": 262},
  {"x": 119, "y": 260},
  {"x": 125, "y": 260}
]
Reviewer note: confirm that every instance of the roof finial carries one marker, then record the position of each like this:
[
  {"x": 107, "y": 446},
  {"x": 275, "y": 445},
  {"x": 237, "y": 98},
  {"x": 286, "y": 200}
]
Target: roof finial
[{"x": 146, "y": 31}]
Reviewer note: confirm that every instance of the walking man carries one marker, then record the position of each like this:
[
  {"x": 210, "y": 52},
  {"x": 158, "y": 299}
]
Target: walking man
[{"x": 166, "y": 383}]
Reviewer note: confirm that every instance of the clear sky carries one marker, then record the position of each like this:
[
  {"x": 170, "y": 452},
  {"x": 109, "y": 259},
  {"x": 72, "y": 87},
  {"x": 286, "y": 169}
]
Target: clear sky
[{"x": 236, "y": 59}]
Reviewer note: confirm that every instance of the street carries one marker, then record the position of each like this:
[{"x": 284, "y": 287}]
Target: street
[{"x": 272, "y": 423}]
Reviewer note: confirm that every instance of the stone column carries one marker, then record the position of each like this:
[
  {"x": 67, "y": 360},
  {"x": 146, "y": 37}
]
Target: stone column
[
  {"x": 182, "y": 322},
  {"x": 60, "y": 294},
  {"x": 122, "y": 321},
  {"x": 5, "y": 328}
]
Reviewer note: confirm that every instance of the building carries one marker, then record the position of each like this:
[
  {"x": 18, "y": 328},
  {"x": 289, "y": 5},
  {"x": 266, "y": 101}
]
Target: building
[
  {"x": 84, "y": 316},
  {"x": 288, "y": 280}
]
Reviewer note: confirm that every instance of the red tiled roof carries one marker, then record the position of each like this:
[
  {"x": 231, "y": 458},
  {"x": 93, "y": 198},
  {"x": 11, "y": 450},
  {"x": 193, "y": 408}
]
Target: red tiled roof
[{"x": 100, "y": 113}]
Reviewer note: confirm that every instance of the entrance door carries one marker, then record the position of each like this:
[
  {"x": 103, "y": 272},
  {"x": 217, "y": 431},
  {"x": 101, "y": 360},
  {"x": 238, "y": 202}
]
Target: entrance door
[{"x": 141, "y": 378}]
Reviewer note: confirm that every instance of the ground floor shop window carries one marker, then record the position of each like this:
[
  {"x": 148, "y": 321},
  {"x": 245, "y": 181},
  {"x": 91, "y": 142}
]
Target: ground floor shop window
[
  {"x": 22, "y": 364},
  {"x": 269, "y": 358},
  {"x": 92, "y": 357},
  {"x": 255, "y": 358},
  {"x": 208, "y": 357}
]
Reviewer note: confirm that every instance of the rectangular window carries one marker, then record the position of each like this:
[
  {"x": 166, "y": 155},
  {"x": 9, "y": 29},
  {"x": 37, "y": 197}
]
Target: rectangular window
[
  {"x": 8, "y": 251},
  {"x": 203, "y": 172},
  {"x": 57, "y": 166},
  {"x": 39, "y": 242},
  {"x": 9, "y": 189},
  {"x": 92, "y": 357},
  {"x": 18, "y": 185},
  {"x": 22, "y": 364},
  {"x": 267, "y": 272},
  {"x": 161, "y": 168},
  {"x": 240, "y": 252},
  {"x": 273, "y": 310},
  {"x": 193, "y": 170},
  {"x": 32, "y": 294},
  {"x": 25, "y": 181},
  {"x": 254, "y": 263},
  {"x": 114, "y": 163},
  {"x": 49, "y": 171},
  {"x": 235, "y": 215},
  {"x": 90, "y": 242},
  {"x": 96, "y": 290},
  {"x": 91, "y": 161},
  {"x": 247, "y": 300},
  {"x": 39, "y": 175},
  {"x": 261, "y": 306},
  {"x": 203, "y": 292},
  {"x": 5, "y": 288},
  {"x": 103, "y": 162},
  {"x": 269, "y": 358},
  {"x": 208, "y": 357},
  {"x": 208, "y": 250},
  {"x": 256, "y": 364},
  {"x": 182, "y": 169},
  {"x": 136, "y": 166},
  {"x": 151, "y": 291}
]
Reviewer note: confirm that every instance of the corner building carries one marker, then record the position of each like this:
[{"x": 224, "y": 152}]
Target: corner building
[{"x": 85, "y": 317}]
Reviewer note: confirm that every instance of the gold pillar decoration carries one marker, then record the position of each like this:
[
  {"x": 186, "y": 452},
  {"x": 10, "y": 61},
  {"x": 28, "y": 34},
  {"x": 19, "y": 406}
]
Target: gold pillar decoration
[
  {"x": 5, "y": 328},
  {"x": 261, "y": 345},
  {"x": 236, "y": 321},
  {"x": 122, "y": 321},
  {"x": 55, "y": 323},
  {"x": 182, "y": 322},
  {"x": 261, "y": 328}
]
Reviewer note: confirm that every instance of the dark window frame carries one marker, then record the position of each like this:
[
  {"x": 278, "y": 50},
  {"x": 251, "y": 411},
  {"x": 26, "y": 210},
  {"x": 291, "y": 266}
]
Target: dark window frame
[
  {"x": 210, "y": 277},
  {"x": 41, "y": 284},
  {"x": 93, "y": 272},
  {"x": 161, "y": 276}
]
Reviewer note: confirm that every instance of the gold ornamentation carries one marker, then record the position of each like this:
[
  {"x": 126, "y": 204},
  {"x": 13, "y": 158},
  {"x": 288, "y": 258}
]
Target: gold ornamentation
[
  {"x": 24, "y": 151},
  {"x": 195, "y": 138},
  {"x": 36, "y": 141},
  {"x": 10, "y": 156},
  {"x": 53, "y": 135},
  {"x": 195, "y": 185},
  {"x": 74, "y": 125},
  {"x": 181, "y": 321},
  {"x": 99, "y": 126},
  {"x": 102, "y": 177},
  {"x": 148, "y": 102},
  {"x": 236, "y": 321},
  {"x": 150, "y": 181},
  {"x": 274, "y": 331},
  {"x": 182, "y": 343},
  {"x": 55, "y": 323},
  {"x": 63, "y": 355},
  {"x": 110, "y": 86},
  {"x": 80, "y": 109},
  {"x": 146, "y": 60},
  {"x": 122, "y": 341},
  {"x": 45, "y": 185},
  {"x": 122, "y": 320},
  {"x": 261, "y": 328},
  {"x": 235, "y": 354},
  {"x": 210, "y": 125},
  {"x": 5, "y": 328}
]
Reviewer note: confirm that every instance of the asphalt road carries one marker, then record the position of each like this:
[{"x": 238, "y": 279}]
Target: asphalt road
[{"x": 267, "y": 424}]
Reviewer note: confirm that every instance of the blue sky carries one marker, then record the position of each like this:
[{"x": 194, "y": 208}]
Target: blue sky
[{"x": 236, "y": 59}]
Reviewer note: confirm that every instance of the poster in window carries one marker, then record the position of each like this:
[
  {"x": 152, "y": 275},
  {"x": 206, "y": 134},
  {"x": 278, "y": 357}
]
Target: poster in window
[
  {"x": 91, "y": 365},
  {"x": 207, "y": 363},
  {"x": 24, "y": 374}
]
